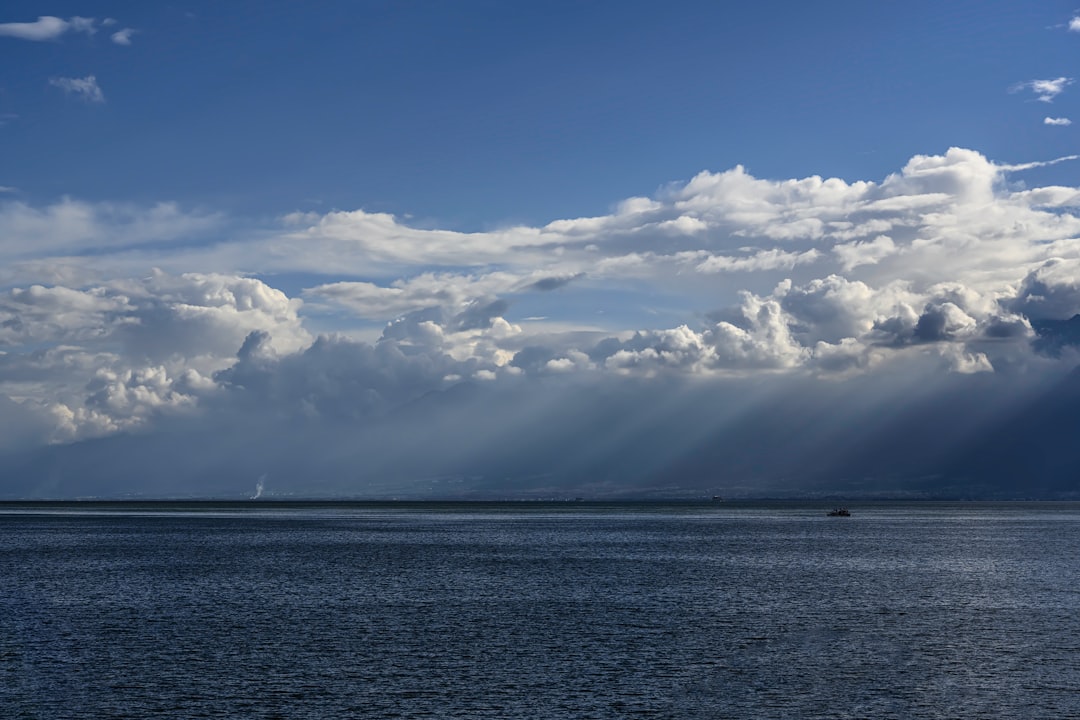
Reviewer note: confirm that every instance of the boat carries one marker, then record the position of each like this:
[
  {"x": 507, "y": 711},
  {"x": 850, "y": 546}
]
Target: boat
[{"x": 839, "y": 512}]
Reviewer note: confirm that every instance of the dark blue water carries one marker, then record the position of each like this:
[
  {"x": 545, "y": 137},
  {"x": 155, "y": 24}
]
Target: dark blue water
[{"x": 540, "y": 611}]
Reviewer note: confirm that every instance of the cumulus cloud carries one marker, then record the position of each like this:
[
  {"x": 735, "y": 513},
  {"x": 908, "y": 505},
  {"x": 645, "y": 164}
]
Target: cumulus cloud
[
  {"x": 945, "y": 268},
  {"x": 1060, "y": 121},
  {"x": 1051, "y": 290},
  {"x": 198, "y": 315},
  {"x": 941, "y": 210},
  {"x": 108, "y": 357},
  {"x": 933, "y": 212},
  {"x": 1074, "y": 24},
  {"x": 85, "y": 88}
]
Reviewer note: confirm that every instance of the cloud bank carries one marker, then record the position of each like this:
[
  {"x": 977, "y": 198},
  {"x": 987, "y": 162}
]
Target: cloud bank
[{"x": 730, "y": 332}]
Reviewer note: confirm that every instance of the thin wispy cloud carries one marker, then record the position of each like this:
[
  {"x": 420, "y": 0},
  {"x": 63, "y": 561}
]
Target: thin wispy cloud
[
  {"x": 1060, "y": 121},
  {"x": 47, "y": 27},
  {"x": 1045, "y": 90},
  {"x": 86, "y": 88},
  {"x": 1038, "y": 164},
  {"x": 84, "y": 25}
]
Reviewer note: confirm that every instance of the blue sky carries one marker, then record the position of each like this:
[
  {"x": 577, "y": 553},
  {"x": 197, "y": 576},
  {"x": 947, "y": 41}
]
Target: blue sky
[
  {"x": 228, "y": 212},
  {"x": 480, "y": 113}
]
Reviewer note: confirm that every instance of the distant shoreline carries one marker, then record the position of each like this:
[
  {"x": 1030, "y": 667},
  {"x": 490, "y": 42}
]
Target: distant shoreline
[{"x": 271, "y": 503}]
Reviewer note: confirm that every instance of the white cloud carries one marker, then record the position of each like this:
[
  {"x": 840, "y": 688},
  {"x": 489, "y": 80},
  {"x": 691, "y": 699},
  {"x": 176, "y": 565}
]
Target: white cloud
[
  {"x": 1074, "y": 24},
  {"x": 197, "y": 315},
  {"x": 123, "y": 37},
  {"x": 71, "y": 227},
  {"x": 1063, "y": 121},
  {"x": 1051, "y": 290},
  {"x": 867, "y": 252},
  {"x": 161, "y": 316},
  {"x": 772, "y": 259},
  {"x": 85, "y": 88},
  {"x": 39, "y": 314},
  {"x": 445, "y": 290},
  {"x": 1039, "y": 164},
  {"x": 942, "y": 265},
  {"x": 47, "y": 27},
  {"x": 109, "y": 357},
  {"x": 357, "y": 239},
  {"x": 740, "y": 224},
  {"x": 1050, "y": 196},
  {"x": 1045, "y": 90},
  {"x": 82, "y": 24},
  {"x": 718, "y": 311}
]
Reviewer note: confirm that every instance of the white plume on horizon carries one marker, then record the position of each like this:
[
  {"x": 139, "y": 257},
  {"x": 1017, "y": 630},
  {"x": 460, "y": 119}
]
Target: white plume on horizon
[{"x": 260, "y": 484}]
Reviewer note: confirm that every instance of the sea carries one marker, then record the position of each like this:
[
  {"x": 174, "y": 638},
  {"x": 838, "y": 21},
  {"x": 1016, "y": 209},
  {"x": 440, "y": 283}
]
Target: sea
[{"x": 539, "y": 610}]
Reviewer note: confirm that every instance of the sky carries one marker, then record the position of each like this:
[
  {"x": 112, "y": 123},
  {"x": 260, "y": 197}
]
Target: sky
[{"x": 491, "y": 249}]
